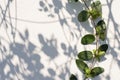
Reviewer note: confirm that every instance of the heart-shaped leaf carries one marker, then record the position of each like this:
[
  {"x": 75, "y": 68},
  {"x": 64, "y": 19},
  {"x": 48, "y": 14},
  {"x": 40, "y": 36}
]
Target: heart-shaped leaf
[
  {"x": 83, "y": 16},
  {"x": 81, "y": 65},
  {"x": 73, "y": 77},
  {"x": 96, "y": 71},
  {"x": 88, "y": 39},
  {"x": 85, "y": 55},
  {"x": 101, "y": 29}
]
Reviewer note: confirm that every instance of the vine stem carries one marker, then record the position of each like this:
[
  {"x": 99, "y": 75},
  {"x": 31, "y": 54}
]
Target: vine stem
[
  {"x": 90, "y": 13},
  {"x": 97, "y": 38},
  {"x": 86, "y": 5}
]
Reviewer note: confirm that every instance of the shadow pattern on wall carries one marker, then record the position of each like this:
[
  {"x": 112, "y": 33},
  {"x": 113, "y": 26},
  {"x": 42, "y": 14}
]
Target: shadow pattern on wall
[
  {"x": 20, "y": 60},
  {"x": 23, "y": 61}
]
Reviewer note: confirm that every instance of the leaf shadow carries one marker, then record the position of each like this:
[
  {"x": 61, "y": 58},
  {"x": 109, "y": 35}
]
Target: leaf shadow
[{"x": 28, "y": 63}]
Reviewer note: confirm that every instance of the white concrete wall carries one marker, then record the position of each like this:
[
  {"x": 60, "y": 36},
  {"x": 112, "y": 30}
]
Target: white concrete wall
[{"x": 42, "y": 40}]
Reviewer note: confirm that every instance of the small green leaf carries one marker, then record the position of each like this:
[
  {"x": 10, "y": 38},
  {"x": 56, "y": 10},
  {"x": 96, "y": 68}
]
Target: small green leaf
[
  {"x": 96, "y": 10},
  {"x": 103, "y": 36},
  {"x": 81, "y": 65},
  {"x": 103, "y": 47},
  {"x": 96, "y": 71},
  {"x": 73, "y": 77},
  {"x": 88, "y": 73},
  {"x": 88, "y": 39},
  {"x": 101, "y": 30},
  {"x": 101, "y": 53},
  {"x": 83, "y": 16},
  {"x": 102, "y": 24},
  {"x": 95, "y": 14},
  {"x": 96, "y": 5},
  {"x": 73, "y": 0},
  {"x": 85, "y": 55}
]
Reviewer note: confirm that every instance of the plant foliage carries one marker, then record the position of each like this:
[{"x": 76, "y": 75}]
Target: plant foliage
[
  {"x": 88, "y": 39},
  {"x": 92, "y": 12},
  {"x": 73, "y": 77},
  {"x": 83, "y": 16},
  {"x": 85, "y": 55}
]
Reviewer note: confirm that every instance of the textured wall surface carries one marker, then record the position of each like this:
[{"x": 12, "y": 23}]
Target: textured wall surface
[{"x": 40, "y": 39}]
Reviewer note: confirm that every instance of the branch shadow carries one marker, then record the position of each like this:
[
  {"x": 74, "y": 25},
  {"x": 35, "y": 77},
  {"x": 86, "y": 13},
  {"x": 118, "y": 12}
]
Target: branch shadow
[
  {"x": 112, "y": 50},
  {"x": 18, "y": 61},
  {"x": 21, "y": 61},
  {"x": 56, "y": 7},
  {"x": 116, "y": 33}
]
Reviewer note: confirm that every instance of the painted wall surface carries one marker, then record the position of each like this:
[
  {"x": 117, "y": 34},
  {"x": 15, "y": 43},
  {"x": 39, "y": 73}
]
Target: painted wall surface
[{"x": 40, "y": 39}]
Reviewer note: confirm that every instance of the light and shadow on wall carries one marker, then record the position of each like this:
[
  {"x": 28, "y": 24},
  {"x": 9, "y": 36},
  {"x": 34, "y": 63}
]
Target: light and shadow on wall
[{"x": 21, "y": 61}]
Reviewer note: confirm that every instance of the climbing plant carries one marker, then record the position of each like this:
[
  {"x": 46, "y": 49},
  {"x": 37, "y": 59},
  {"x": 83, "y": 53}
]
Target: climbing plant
[{"x": 93, "y": 12}]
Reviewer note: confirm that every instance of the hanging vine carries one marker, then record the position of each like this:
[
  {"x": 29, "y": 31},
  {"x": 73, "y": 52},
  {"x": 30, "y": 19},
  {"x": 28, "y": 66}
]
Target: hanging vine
[{"x": 94, "y": 13}]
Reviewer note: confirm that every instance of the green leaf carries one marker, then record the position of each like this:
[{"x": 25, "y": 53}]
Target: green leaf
[
  {"x": 73, "y": 77},
  {"x": 73, "y": 0},
  {"x": 103, "y": 47},
  {"x": 96, "y": 71},
  {"x": 102, "y": 24},
  {"x": 101, "y": 30},
  {"x": 85, "y": 55},
  {"x": 83, "y": 16},
  {"x": 96, "y": 10},
  {"x": 95, "y": 14},
  {"x": 96, "y": 5},
  {"x": 101, "y": 53},
  {"x": 103, "y": 36},
  {"x": 88, "y": 39},
  {"x": 81, "y": 65},
  {"x": 88, "y": 73}
]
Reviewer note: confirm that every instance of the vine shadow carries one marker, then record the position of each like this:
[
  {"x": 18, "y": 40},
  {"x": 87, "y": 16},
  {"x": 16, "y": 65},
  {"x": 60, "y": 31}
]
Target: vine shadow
[
  {"x": 24, "y": 52},
  {"x": 116, "y": 31},
  {"x": 112, "y": 48},
  {"x": 71, "y": 9},
  {"x": 18, "y": 61}
]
